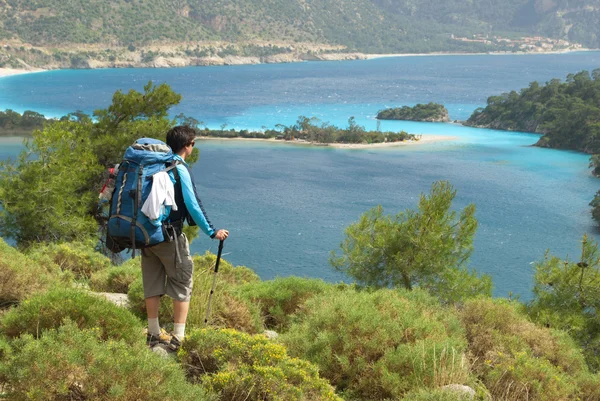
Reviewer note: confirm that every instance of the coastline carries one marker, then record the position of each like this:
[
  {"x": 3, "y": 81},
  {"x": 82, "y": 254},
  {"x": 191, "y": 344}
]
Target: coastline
[
  {"x": 504, "y": 53},
  {"x": 425, "y": 139},
  {"x": 178, "y": 62},
  {"x": 6, "y": 72}
]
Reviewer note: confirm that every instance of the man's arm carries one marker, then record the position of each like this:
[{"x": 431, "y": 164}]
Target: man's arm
[{"x": 193, "y": 203}]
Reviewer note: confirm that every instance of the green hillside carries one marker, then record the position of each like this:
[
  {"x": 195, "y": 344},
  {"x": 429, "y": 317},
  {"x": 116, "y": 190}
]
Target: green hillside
[{"x": 363, "y": 25}]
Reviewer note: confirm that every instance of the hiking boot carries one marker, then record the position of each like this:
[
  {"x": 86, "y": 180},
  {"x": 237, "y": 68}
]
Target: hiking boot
[
  {"x": 161, "y": 338},
  {"x": 174, "y": 344}
]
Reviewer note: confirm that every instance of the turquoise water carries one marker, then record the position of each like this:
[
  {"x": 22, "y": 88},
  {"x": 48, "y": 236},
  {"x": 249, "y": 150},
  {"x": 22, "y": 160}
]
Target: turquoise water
[{"x": 287, "y": 206}]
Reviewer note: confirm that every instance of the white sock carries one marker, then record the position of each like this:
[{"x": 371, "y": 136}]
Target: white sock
[
  {"x": 179, "y": 330},
  {"x": 153, "y": 326}
]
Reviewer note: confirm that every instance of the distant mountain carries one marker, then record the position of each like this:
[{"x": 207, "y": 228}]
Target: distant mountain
[{"x": 363, "y": 25}]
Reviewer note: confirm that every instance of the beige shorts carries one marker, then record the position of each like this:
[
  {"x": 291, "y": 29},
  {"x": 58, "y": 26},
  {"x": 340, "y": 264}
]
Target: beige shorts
[{"x": 163, "y": 274}]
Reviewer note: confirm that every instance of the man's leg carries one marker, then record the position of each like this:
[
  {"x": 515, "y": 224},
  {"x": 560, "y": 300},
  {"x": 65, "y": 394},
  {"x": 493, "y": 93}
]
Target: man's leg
[
  {"x": 181, "y": 311},
  {"x": 179, "y": 268},
  {"x": 154, "y": 282},
  {"x": 152, "y": 307}
]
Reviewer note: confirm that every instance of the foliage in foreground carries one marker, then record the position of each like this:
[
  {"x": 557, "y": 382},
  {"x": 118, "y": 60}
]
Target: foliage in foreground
[
  {"x": 428, "y": 248},
  {"x": 567, "y": 297},
  {"x": 80, "y": 258},
  {"x": 73, "y": 364},
  {"x": 48, "y": 311},
  {"x": 281, "y": 298},
  {"x": 516, "y": 360},
  {"x": 50, "y": 193},
  {"x": 117, "y": 278},
  {"x": 241, "y": 367},
  {"x": 380, "y": 345},
  {"x": 21, "y": 277}
]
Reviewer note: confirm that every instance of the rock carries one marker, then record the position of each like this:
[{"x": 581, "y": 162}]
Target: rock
[
  {"x": 281, "y": 58},
  {"x": 117, "y": 299},
  {"x": 465, "y": 391},
  {"x": 338, "y": 56},
  {"x": 270, "y": 334},
  {"x": 161, "y": 350},
  {"x": 239, "y": 60}
]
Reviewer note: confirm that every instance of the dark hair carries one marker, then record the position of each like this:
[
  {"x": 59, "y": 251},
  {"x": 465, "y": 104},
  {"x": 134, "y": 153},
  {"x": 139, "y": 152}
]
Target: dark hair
[{"x": 180, "y": 137}]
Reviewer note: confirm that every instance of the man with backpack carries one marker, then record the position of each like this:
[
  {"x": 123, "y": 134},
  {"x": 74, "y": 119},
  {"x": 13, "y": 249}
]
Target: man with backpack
[{"x": 167, "y": 267}]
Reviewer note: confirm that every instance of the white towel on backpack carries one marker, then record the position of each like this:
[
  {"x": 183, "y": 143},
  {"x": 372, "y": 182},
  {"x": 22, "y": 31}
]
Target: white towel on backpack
[{"x": 162, "y": 194}]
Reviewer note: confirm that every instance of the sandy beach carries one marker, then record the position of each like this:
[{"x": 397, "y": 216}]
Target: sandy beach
[
  {"x": 505, "y": 53},
  {"x": 5, "y": 72},
  {"x": 423, "y": 140}
]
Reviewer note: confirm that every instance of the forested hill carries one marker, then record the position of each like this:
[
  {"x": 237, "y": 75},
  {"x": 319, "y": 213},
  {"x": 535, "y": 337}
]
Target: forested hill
[
  {"x": 567, "y": 113},
  {"x": 364, "y": 25}
]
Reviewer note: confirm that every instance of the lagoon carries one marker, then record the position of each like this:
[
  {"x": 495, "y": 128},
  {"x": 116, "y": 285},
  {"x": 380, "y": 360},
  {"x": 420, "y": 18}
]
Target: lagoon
[{"x": 287, "y": 206}]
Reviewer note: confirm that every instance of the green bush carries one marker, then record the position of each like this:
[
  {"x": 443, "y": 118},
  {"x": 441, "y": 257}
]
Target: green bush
[
  {"x": 233, "y": 275},
  {"x": 77, "y": 257},
  {"x": 20, "y": 276},
  {"x": 589, "y": 387},
  {"x": 49, "y": 310},
  {"x": 514, "y": 358},
  {"x": 239, "y": 366},
  {"x": 566, "y": 297},
  {"x": 227, "y": 309},
  {"x": 280, "y": 298},
  {"x": 69, "y": 364},
  {"x": 382, "y": 344},
  {"x": 116, "y": 278},
  {"x": 5, "y": 354}
]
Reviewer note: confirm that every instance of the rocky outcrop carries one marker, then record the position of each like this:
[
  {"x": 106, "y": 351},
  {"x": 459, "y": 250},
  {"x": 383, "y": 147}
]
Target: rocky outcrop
[
  {"x": 431, "y": 112},
  {"x": 464, "y": 392}
]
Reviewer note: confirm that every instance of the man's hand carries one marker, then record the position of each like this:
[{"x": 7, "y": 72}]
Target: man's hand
[{"x": 222, "y": 235}]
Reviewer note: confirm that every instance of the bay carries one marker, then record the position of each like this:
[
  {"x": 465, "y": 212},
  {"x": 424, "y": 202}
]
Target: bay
[{"x": 287, "y": 206}]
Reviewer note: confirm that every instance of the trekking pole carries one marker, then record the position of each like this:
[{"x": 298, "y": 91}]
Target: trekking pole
[{"x": 212, "y": 290}]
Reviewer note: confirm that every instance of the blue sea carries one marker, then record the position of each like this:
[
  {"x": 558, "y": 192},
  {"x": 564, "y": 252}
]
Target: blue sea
[{"x": 287, "y": 206}]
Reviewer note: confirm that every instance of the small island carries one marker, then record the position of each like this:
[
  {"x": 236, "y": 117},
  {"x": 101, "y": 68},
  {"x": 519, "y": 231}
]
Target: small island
[
  {"x": 310, "y": 131},
  {"x": 430, "y": 112}
]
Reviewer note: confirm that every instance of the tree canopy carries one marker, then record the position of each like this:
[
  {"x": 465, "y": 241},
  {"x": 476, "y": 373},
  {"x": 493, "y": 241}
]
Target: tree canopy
[
  {"x": 420, "y": 112},
  {"x": 50, "y": 192},
  {"x": 428, "y": 247}
]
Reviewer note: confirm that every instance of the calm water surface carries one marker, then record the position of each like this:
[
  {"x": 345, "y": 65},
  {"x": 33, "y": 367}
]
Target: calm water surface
[{"x": 287, "y": 206}]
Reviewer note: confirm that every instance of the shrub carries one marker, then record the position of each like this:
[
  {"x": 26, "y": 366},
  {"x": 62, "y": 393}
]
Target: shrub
[
  {"x": 227, "y": 309},
  {"x": 116, "y": 278},
  {"x": 589, "y": 387},
  {"x": 77, "y": 257},
  {"x": 48, "y": 311},
  {"x": 514, "y": 358},
  {"x": 380, "y": 345},
  {"x": 69, "y": 364},
  {"x": 21, "y": 277},
  {"x": 280, "y": 298},
  {"x": 234, "y": 275},
  {"x": 566, "y": 297},
  {"x": 239, "y": 366},
  {"x": 5, "y": 353}
]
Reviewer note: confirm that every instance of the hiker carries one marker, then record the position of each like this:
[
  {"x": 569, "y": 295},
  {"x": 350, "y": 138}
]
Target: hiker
[{"x": 167, "y": 267}]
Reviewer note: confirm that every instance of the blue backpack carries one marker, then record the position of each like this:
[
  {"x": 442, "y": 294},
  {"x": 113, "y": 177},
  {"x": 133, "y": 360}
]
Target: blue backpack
[{"x": 128, "y": 227}]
